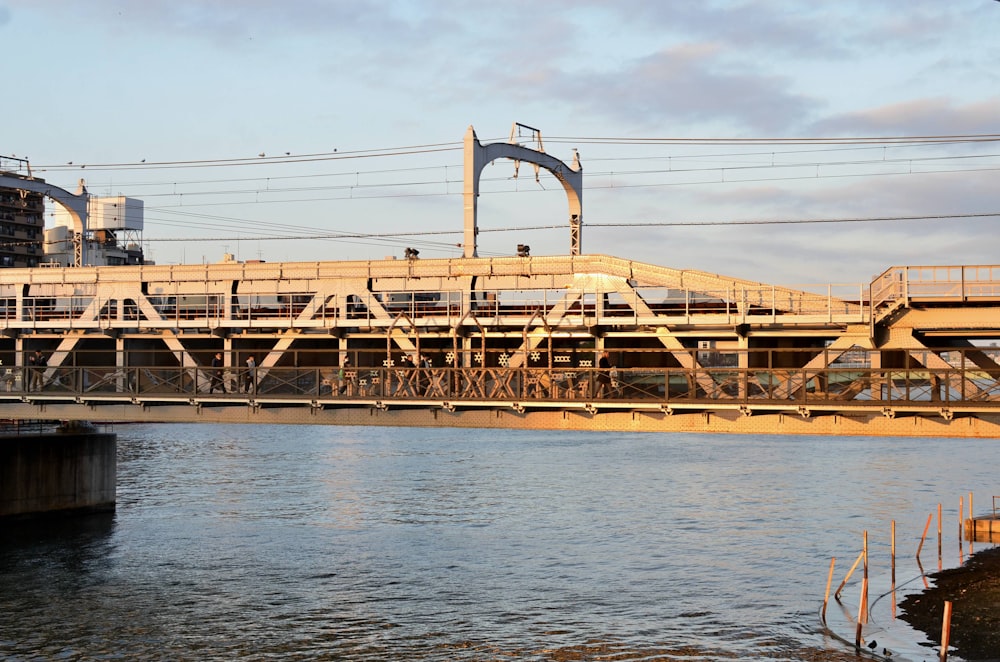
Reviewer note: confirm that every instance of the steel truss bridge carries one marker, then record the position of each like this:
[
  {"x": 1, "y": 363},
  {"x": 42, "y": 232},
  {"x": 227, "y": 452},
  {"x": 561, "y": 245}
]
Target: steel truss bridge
[{"x": 504, "y": 342}]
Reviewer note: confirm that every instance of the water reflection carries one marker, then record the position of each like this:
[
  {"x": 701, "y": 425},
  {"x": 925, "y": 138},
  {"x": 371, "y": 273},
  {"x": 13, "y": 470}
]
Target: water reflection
[
  {"x": 306, "y": 543},
  {"x": 67, "y": 541}
]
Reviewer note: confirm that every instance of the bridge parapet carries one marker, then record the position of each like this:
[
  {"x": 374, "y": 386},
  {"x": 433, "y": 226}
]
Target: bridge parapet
[
  {"x": 567, "y": 290},
  {"x": 898, "y": 287}
]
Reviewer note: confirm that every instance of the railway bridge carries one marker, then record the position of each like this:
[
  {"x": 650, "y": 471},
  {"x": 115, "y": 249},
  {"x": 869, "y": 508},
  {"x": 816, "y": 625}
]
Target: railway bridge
[{"x": 503, "y": 342}]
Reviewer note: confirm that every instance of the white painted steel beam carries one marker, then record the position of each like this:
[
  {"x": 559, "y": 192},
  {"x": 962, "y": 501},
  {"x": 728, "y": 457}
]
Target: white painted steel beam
[
  {"x": 478, "y": 156},
  {"x": 74, "y": 203}
]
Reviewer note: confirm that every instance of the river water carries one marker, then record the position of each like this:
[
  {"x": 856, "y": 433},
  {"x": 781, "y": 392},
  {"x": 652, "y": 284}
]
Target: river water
[{"x": 299, "y": 543}]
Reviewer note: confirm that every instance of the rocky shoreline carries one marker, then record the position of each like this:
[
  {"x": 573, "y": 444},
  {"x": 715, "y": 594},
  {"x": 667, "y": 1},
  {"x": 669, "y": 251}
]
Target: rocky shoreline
[{"x": 974, "y": 591}]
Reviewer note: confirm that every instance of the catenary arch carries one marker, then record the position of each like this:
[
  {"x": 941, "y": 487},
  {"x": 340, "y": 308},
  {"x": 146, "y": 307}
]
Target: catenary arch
[
  {"x": 74, "y": 203},
  {"x": 478, "y": 156}
]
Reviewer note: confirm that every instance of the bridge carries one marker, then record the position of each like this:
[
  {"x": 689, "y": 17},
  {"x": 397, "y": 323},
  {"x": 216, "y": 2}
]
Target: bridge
[{"x": 503, "y": 342}]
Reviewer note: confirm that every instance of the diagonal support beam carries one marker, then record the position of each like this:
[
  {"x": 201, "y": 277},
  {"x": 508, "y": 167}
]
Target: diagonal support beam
[
  {"x": 688, "y": 360},
  {"x": 903, "y": 339}
]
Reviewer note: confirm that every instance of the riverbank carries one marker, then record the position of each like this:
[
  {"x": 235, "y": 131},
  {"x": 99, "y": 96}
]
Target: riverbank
[{"x": 974, "y": 591}]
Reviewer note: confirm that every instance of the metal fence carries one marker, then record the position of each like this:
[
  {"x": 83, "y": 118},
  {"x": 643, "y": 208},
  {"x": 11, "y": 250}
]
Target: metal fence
[{"x": 885, "y": 387}]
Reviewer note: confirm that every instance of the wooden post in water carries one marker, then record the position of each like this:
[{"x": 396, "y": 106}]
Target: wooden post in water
[
  {"x": 972, "y": 536},
  {"x": 939, "y": 538},
  {"x": 924, "y": 537},
  {"x": 829, "y": 580},
  {"x": 849, "y": 573},
  {"x": 892, "y": 556},
  {"x": 961, "y": 519},
  {"x": 961, "y": 527},
  {"x": 892, "y": 548},
  {"x": 864, "y": 582},
  {"x": 945, "y": 630},
  {"x": 861, "y": 610}
]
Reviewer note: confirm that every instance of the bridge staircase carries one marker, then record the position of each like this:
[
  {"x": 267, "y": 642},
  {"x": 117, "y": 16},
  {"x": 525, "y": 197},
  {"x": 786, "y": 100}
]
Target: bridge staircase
[{"x": 928, "y": 287}]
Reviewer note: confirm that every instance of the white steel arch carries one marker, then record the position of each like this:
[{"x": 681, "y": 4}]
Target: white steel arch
[
  {"x": 478, "y": 156},
  {"x": 74, "y": 203}
]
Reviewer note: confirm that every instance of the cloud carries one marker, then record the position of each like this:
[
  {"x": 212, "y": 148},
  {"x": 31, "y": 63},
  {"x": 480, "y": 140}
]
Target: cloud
[
  {"x": 687, "y": 84},
  {"x": 918, "y": 117},
  {"x": 769, "y": 28},
  {"x": 228, "y": 23}
]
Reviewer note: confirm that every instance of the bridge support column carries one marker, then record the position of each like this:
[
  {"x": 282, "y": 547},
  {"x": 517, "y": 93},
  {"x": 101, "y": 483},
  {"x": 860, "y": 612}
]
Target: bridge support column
[
  {"x": 122, "y": 382},
  {"x": 467, "y": 353},
  {"x": 57, "y": 472},
  {"x": 231, "y": 382},
  {"x": 878, "y": 385},
  {"x": 744, "y": 363}
]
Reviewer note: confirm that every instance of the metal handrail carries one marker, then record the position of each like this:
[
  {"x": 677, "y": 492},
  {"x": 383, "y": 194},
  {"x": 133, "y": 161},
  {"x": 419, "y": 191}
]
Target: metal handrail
[{"x": 929, "y": 388}]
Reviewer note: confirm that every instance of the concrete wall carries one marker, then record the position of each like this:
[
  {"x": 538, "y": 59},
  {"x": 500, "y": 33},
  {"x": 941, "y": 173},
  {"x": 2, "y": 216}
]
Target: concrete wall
[{"x": 50, "y": 473}]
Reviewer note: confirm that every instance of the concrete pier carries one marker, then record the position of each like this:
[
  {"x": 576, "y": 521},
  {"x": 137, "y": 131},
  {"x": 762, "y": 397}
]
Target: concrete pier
[{"x": 57, "y": 472}]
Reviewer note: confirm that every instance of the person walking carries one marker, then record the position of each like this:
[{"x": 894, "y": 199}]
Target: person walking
[
  {"x": 251, "y": 375},
  {"x": 218, "y": 374},
  {"x": 37, "y": 363},
  {"x": 604, "y": 375},
  {"x": 342, "y": 377}
]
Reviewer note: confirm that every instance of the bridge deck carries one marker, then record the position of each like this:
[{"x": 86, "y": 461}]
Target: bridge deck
[{"x": 541, "y": 397}]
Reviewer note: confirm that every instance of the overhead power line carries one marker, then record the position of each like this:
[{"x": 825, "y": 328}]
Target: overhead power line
[
  {"x": 799, "y": 221},
  {"x": 287, "y": 157},
  {"x": 643, "y": 162},
  {"x": 831, "y": 140},
  {"x": 260, "y": 159},
  {"x": 611, "y": 224}
]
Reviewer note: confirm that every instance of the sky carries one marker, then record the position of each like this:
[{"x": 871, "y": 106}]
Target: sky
[{"x": 786, "y": 142}]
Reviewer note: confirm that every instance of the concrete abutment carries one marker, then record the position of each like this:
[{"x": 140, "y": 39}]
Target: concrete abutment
[{"x": 59, "y": 472}]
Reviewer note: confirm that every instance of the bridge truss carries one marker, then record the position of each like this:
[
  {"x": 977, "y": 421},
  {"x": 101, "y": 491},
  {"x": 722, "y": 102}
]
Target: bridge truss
[{"x": 504, "y": 342}]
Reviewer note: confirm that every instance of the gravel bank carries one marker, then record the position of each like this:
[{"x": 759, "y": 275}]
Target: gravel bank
[{"x": 974, "y": 591}]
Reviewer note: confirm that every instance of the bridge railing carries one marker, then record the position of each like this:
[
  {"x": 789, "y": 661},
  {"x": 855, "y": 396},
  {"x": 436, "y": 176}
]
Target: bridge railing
[
  {"x": 950, "y": 386},
  {"x": 899, "y": 285},
  {"x": 60, "y": 307}
]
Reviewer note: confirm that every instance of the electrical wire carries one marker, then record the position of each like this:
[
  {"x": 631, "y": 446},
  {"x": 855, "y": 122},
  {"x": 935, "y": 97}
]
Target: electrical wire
[
  {"x": 611, "y": 224},
  {"x": 188, "y": 197},
  {"x": 844, "y": 140},
  {"x": 585, "y": 140},
  {"x": 261, "y": 159}
]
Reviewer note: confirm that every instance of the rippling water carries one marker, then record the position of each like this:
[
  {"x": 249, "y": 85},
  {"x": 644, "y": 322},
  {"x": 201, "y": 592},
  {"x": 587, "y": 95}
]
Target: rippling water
[{"x": 274, "y": 542}]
